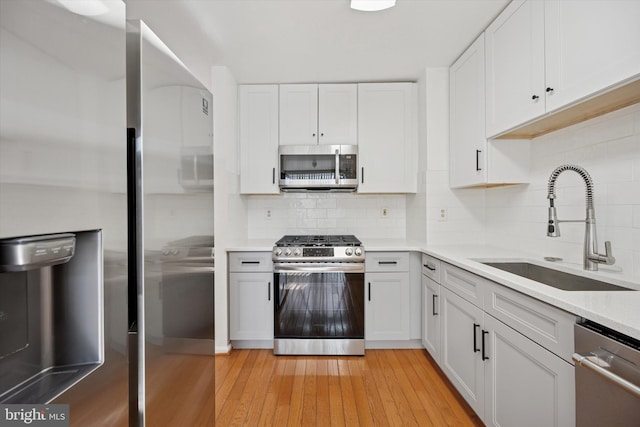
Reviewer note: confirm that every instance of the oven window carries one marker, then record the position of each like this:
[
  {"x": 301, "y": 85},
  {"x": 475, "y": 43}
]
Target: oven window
[{"x": 319, "y": 305}]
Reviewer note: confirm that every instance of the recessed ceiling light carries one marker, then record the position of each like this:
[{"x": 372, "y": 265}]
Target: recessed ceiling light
[{"x": 372, "y": 5}]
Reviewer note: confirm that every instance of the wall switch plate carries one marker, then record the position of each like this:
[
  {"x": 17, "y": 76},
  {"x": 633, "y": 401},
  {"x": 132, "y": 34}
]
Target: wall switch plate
[
  {"x": 267, "y": 213},
  {"x": 443, "y": 215}
]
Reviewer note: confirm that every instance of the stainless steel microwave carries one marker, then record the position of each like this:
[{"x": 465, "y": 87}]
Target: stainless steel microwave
[{"x": 318, "y": 167}]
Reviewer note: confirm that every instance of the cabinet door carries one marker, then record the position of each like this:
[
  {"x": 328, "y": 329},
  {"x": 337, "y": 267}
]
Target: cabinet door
[
  {"x": 387, "y": 137},
  {"x": 467, "y": 142},
  {"x": 259, "y": 139},
  {"x": 338, "y": 114},
  {"x": 387, "y": 306},
  {"x": 515, "y": 66},
  {"x": 461, "y": 348},
  {"x": 589, "y": 45},
  {"x": 298, "y": 114},
  {"x": 251, "y": 306},
  {"x": 431, "y": 317},
  {"x": 525, "y": 384}
]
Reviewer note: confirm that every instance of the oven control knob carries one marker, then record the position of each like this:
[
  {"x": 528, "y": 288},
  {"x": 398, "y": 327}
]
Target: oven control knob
[
  {"x": 297, "y": 252},
  {"x": 358, "y": 251},
  {"x": 348, "y": 251},
  {"x": 287, "y": 252},
  {"x": 277, "y": 251}
]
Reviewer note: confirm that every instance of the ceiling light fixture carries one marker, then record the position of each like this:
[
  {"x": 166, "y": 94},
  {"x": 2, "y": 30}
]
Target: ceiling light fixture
[{"x": 372, "y": 5}]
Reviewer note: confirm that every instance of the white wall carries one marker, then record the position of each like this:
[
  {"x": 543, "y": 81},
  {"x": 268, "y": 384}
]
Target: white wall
[
  {"x": 608, "y": 147},
  {"x": 464, "y": 209},
  {"x": 229, "y": 208},
  {"x": 417, "y": 203}
]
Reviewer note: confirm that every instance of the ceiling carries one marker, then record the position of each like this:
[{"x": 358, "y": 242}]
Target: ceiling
[{"x": 294, "y": 41}]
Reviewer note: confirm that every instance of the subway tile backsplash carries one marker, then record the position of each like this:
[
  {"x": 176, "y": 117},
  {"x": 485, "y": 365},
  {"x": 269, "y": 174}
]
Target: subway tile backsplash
[{"x": 271, "y": 217}]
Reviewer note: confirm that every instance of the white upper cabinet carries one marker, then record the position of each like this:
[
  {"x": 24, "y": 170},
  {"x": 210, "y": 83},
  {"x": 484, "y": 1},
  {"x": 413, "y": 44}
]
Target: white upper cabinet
[
  {"x": 589, "y": 46},
  {"x": 318, "y": 114},
  {"x": 474, "y": 161},
  {"x": 515, "y": 66},
  {"x": 298, "y": 114},
  {"x": 259, "y": 139},
  {"x": 387, "y": 137},
  {"x": 338, "y": 114},
  {"x": 467, "y": 142},
  {"x": 543, "y": 56}
]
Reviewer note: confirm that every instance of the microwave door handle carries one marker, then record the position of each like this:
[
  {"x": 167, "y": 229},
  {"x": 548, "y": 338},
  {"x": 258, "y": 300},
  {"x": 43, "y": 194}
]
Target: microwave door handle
[{"x": 337, "y": 166}]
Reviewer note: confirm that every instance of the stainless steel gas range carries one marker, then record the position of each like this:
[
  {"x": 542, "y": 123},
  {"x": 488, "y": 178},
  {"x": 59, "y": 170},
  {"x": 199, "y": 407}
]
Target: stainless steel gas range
[{"x": 319, "y": 295}]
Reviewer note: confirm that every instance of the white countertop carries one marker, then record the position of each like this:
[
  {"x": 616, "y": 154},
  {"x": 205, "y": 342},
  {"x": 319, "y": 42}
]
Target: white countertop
[{"x": 618, "y": 310}]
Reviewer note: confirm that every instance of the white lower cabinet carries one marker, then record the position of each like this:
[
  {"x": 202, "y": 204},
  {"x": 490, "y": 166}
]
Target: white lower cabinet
[
  {"x": 387, "y": 306},
  {"x": 431, "y": 314},
  {"x": 525, "y": 385},
  {"x": 251, "y": 296},
  {"x": 509, "y": 378},
  {"x": 387, "y": 309},
  {"x": 461, "y": 348}
]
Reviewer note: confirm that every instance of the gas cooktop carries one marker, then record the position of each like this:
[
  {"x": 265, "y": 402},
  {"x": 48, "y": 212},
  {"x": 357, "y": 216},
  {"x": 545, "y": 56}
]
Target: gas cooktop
[
  {"x": 326, "y": 240},
  {"x": 319, "y": 249}
]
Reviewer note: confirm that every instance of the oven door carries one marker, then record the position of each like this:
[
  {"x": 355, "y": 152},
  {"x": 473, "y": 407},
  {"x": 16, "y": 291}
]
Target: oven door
[{"x": 319, "y": 308}]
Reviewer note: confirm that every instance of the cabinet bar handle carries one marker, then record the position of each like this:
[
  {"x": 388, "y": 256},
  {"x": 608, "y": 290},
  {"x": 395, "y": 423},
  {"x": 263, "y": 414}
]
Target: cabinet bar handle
[
  {"x": 428, "y": 267},
  {"x": 387, "y": 262},
  {"x": 475, "y": 339},
  {"x": 362, "y": 175},
  {"x": 250, "y": 262},
  {"x": 269, "y": 291},
  {"x": 478, "y": 160},
  {"x": 369, "y": 291},
  {"x": 433, "y": 309},
  {"x": 484, "y": 333},
  {"x": 273, "y": 176}
]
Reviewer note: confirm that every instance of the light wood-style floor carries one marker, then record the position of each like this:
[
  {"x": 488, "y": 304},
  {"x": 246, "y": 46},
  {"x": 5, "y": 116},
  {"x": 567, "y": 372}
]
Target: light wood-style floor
[{"x": 383, "y": 388}]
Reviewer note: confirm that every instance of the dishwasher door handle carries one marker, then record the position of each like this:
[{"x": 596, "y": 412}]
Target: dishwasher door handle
[{"x": 586, "y": 362}]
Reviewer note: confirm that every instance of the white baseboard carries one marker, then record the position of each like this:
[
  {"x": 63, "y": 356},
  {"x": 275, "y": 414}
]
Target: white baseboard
[{"x": 223, "y": 349}]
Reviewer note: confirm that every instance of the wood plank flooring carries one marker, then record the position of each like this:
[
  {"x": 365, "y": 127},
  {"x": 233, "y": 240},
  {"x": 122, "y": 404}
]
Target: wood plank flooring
[{"x": 383, "y": 388}]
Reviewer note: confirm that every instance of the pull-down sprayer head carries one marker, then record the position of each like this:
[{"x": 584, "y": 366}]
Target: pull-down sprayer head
[{"x": 552, "y": 226}]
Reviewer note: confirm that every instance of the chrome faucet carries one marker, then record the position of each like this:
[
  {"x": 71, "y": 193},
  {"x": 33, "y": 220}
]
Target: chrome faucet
[{"x": 591, "y": 256}]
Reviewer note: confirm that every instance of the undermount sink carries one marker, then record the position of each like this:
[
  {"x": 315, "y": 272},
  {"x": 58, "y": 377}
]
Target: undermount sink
[{"x": 555, "y": 278}]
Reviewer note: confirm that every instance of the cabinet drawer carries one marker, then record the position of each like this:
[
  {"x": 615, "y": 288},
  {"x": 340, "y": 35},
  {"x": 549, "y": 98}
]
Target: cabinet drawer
[
  {"x": 250, "y": 261},
  {"x": 549, "y": 326},
  {"x": 431, "y": 267},
  {"x": 386, "y": 262},
  {"x": 465, "y": 284}
]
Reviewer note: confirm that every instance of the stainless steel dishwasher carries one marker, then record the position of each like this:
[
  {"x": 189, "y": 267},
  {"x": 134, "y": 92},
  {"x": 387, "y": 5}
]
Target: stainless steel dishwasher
[{"x": 607, "y": 377}]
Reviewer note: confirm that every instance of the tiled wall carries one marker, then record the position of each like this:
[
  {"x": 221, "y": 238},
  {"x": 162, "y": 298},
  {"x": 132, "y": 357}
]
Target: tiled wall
[
  {"x": 271, "y": 217},
  {"x": 608, "y": 147}
]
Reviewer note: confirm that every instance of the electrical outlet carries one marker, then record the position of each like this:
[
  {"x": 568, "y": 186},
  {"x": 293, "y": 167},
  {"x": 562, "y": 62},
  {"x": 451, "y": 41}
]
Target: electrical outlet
[
  {"x": 267, "y": 213},
  {"x": 384, "y": 212},
  {"x": 444, "y": 214}
]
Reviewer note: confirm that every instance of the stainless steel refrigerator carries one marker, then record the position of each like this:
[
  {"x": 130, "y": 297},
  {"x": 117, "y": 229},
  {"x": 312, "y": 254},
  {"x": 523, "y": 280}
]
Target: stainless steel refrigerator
[{"x": 106, "y": 142}]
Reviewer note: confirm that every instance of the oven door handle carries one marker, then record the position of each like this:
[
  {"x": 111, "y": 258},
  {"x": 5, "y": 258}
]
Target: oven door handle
[
  {"x": 586, "y": 362},
  {"x": 301, "y": 267}
]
